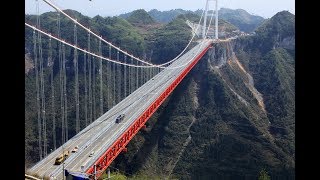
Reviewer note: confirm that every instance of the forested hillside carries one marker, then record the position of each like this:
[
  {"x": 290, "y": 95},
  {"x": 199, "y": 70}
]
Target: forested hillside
[
  {"x": 232, "y": 117},
  {"x": 117, "y": 30},
  {"x": 240, "y": 18}
]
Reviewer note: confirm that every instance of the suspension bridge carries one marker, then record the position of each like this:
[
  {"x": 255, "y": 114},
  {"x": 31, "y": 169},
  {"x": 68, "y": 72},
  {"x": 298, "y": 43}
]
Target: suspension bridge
[{"x": 137, "y": 90}]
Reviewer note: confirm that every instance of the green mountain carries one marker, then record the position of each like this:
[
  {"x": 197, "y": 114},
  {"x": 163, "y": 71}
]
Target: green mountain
[
  {"x": 174, "y": 37},
  {"x": 140, "y": 17},
  {"x": 232, "y": 117},
  {"x": 115, "y": 29},
  {"x": 278, "y": 31},
  {"x": 242, "y": 19},
  {"x": 171, "y": 39},
  {"x": 167, "y": 16},
  {"x": 160, "y": 16}
]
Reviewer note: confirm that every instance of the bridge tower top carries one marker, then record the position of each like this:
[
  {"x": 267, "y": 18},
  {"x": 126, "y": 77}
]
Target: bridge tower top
[{"x": 205, "y": 19}]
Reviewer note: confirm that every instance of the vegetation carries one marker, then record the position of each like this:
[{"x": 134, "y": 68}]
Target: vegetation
[
  {"x": 170, "y": 40},
  {"x": 242, "y": 19},
  {"x": 140, "y": 17},
  {"x": 167, "y": 16},
  {"x": 161, "y": 16},
  {"x": 263, "y": 175},
  {"x": 273, "y": 69},
  {"x": 226, "y": 139},
  {"x": 274, "y": 31},
  {"x": 113, "y": 175},
  {"x": 115, "y": 29},
  {"x": 203, "y": 130}
]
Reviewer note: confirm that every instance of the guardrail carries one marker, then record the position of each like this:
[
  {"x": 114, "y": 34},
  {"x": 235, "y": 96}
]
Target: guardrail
[{"x": 31, "y": 177}]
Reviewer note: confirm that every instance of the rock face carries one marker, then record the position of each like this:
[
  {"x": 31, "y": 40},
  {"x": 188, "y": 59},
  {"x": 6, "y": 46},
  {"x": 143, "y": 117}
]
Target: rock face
[
  {"x": 215, "y": 125},
  {"x": 243, "y": 20},
  {"x": 288, "y": 43},
  {"x": 232, "y": 116}
]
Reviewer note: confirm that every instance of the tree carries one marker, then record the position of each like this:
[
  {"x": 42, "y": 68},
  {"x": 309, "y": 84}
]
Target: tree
[{"x": 263, "y": 175}]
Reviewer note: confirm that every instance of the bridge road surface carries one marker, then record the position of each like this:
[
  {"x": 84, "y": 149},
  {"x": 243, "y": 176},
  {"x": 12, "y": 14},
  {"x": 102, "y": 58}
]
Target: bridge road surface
[{"x": 103, "y": 132}]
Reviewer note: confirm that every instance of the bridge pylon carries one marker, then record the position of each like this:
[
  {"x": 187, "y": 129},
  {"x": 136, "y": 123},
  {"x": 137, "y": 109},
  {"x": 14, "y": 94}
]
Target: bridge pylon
[{"x": 206, "y": 14}]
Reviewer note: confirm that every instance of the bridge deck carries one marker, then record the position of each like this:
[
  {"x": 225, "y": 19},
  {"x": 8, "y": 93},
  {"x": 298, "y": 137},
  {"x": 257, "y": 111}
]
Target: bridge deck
[{"x": 103, "y": 132}]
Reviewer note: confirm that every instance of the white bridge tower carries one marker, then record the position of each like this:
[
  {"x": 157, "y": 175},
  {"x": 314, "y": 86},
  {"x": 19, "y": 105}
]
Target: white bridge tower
[{"x": 205, "y": 19}]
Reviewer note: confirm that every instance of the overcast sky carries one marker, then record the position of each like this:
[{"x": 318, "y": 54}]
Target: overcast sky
[{"x": 264, "y": 8}]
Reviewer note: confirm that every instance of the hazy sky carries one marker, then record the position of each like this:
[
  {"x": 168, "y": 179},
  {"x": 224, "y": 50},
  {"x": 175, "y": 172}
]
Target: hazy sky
[{"x": 264, "y": 8}]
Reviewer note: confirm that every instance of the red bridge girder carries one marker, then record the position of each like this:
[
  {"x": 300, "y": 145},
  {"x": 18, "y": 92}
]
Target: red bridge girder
[{"x": 119, "y": 145}]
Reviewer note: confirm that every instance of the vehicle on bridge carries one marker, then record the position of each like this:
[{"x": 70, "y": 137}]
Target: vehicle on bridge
[
  {"x": 91, "y": 154},
  {"x": 61, "y": 157},
  {"x": 75, "y": 149},
  {"x": 120, "y": 118}
]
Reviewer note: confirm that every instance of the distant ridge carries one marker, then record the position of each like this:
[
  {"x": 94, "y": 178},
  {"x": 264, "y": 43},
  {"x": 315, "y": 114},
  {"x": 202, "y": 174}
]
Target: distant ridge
[{"x": 240, "y": 18}]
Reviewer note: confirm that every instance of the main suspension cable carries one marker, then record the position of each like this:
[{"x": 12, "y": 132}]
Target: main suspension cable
[
  {"x": 117, "y": 48},
  {"x": 83, "y": 50}
]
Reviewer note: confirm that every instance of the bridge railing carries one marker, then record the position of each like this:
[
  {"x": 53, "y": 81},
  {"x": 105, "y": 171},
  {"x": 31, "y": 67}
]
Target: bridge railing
[{"x": 119, "y": 145}]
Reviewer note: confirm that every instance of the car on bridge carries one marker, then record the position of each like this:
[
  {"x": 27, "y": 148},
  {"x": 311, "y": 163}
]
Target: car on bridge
[
  {"x": 120, "y": 118},
  {"x": 91, "y": 154},
  {"x": 75, "y": 149},
  {"x": 61, "y": 157}
]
